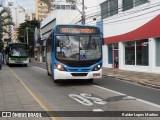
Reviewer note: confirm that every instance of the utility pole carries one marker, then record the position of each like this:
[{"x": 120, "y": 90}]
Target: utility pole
[
  {"x": 27, "y": 34},
  {"x": 83, "y": 12}
]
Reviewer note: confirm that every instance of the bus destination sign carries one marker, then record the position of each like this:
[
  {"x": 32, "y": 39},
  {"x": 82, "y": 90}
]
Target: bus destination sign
[{"x": 78, "y": 30}]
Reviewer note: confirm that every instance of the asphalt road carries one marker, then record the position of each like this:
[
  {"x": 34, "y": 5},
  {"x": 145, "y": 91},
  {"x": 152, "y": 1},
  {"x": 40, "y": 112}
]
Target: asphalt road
[
  {"x": 131, "y": 89},
  {"x": 82, "y": 96}
]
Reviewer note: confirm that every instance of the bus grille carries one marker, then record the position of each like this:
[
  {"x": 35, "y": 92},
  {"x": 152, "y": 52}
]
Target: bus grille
[
  {"x": 79, "y": 74},
  {"x": 80, "y": 64},
  {"x": 79, "y": 70}
]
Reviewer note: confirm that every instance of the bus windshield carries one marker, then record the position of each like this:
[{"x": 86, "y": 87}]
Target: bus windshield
[
  {"x": 78, "y": 48},
  {"x": 19, "y": 50}
]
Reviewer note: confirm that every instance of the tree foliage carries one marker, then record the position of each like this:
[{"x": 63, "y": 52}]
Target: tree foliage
[
  {"x": 22, "y": 32},
  {"x": 4, "y": 24}
]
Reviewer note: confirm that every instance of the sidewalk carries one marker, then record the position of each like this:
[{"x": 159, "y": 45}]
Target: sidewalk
[
  {"x": 147, "y": 79},
  {"x": 14, "y": 96}
]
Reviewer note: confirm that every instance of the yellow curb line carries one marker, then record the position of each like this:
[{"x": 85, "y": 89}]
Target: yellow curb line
[{"x": 40, "y": 101}]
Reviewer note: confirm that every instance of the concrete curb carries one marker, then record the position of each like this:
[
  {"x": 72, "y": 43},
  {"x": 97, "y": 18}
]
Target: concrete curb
[{"x": 144, "y": 83}]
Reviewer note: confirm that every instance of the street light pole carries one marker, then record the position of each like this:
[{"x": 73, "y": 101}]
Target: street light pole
[{"x": 27, "y": 34}]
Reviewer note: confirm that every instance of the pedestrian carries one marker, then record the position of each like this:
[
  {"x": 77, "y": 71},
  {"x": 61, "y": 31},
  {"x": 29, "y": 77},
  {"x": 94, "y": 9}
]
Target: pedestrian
[
  {"x": 116, "y": 62},
  {"x": 1, "y": 60}
]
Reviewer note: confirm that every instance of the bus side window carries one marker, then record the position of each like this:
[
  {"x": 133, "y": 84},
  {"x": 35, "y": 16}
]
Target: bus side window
[{"x": 50, "y": 43}]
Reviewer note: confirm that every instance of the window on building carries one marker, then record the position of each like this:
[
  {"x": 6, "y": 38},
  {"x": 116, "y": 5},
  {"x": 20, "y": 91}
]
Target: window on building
[
  {"x": 139, "y": 2},
  {"x": 68, "y": 7},
  {"x": 109, "y": 8},
  {"x": 113, "y": 7},
  {"x": 104, "y": 10},
  {"x": 73, "y": 7},
  {"x": 129, "y": 4},
  {"x": 142, "y": 52},
  {"x": 115, "y": 46},
  {"x": 137, "y": 55},
  {"x": 157, "y": 52},
  {"x": 63, "y": 7},
  {"x": 130, "y": 53},
  {"x": 58, "y": 7},
  {"x": 110, "y": 54}
]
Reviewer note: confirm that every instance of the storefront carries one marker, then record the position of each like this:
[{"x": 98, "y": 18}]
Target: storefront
[{"x": 138, "y": 50}]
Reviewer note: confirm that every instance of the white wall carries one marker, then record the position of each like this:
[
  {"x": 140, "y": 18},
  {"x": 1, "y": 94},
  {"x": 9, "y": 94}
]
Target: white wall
[
  {"x": 130, "y": 19},
  {"x": 125, "y": 22},
  {"x": 18, "y": 15}
]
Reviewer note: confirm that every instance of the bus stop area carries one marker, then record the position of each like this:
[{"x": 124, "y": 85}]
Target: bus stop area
[{"x": 146, "y": 79}]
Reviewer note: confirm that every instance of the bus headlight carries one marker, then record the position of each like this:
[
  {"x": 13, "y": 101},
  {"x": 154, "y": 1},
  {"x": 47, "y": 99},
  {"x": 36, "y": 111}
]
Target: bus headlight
[
  {"x": 60, "y": 67},
  {"x": 96, "y": 68}
]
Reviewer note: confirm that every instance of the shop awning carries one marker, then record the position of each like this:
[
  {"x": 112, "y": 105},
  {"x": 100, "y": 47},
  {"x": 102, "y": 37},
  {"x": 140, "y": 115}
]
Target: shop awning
[{"x": 148, "y": 30}]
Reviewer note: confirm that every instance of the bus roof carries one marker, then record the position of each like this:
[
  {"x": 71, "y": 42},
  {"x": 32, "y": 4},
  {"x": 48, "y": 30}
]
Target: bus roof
[
  {"x": 79, "y": 25},
  {"x": 76, "y": 29}
]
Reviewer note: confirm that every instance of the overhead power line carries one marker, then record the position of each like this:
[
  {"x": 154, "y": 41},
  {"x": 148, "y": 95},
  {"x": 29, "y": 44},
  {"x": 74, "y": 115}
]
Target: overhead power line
[{"x": 122, "y": 14}]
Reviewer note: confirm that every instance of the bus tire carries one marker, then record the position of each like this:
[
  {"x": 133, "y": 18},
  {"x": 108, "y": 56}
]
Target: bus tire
[
  {"x": 55, "y": 81},
  {"x": 48, "y": 73},
  {"x": 90, "y": 80},
  {"x": 25, "y": 65}
]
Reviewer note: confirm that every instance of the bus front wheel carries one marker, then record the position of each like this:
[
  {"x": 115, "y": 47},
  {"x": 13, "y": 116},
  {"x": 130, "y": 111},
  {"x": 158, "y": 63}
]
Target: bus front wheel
[
  {"x": 55, "y": 81},
  {"x": 90, "y": 80}
]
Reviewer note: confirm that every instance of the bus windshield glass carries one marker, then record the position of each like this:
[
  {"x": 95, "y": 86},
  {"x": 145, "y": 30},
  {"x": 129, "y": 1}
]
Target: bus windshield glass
[
  {"x": 78, "y": 48},
  {"x": 19, "y": 50}
]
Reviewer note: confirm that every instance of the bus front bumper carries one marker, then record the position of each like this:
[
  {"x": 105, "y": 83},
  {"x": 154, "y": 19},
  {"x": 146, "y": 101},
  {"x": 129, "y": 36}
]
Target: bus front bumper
[
  {"x": 77, "y": 75},
  {"x": 19, "y": 61}
]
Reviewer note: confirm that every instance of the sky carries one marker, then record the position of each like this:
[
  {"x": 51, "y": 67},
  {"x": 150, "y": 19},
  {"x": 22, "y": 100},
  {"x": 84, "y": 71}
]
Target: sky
[
  {"x": 30, "y": 4},
  {"x": 27, "y": 4}
]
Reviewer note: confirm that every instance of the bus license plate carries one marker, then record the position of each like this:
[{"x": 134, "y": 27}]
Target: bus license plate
[
  {"x": 96, "y": 74},
  {"x": 18, "y": 61}
]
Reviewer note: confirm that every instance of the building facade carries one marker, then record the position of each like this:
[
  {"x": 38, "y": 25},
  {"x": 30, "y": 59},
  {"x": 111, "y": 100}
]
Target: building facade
[
  {"x": 19, "y": 15},
  {"x": 43, "y": 8},
  {"x": 131, "y": 33},
  {"x": 63, "y": 12}
]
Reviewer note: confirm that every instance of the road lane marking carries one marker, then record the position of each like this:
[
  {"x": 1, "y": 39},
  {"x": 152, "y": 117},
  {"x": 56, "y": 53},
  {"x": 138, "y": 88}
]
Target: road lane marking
[
  {"x": 40, "y": 101},
  {"x": 140, "y": 100},
  {"x": 93, "y": 99},
  {"x": 38, "y": 67},
  {"x": 81, "y": 99},
  {"x": 87, "y": 99},
  {"x": 144, "y": 101},
  {"x": 110, "y": 90},
  {"x": 97, "y": 110}
]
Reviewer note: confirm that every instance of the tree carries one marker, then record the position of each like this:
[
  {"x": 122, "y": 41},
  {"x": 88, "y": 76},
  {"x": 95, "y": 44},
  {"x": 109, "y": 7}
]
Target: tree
[
  {"x": 5, "y": 21},
  {"x": 22, "y": 35}
]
